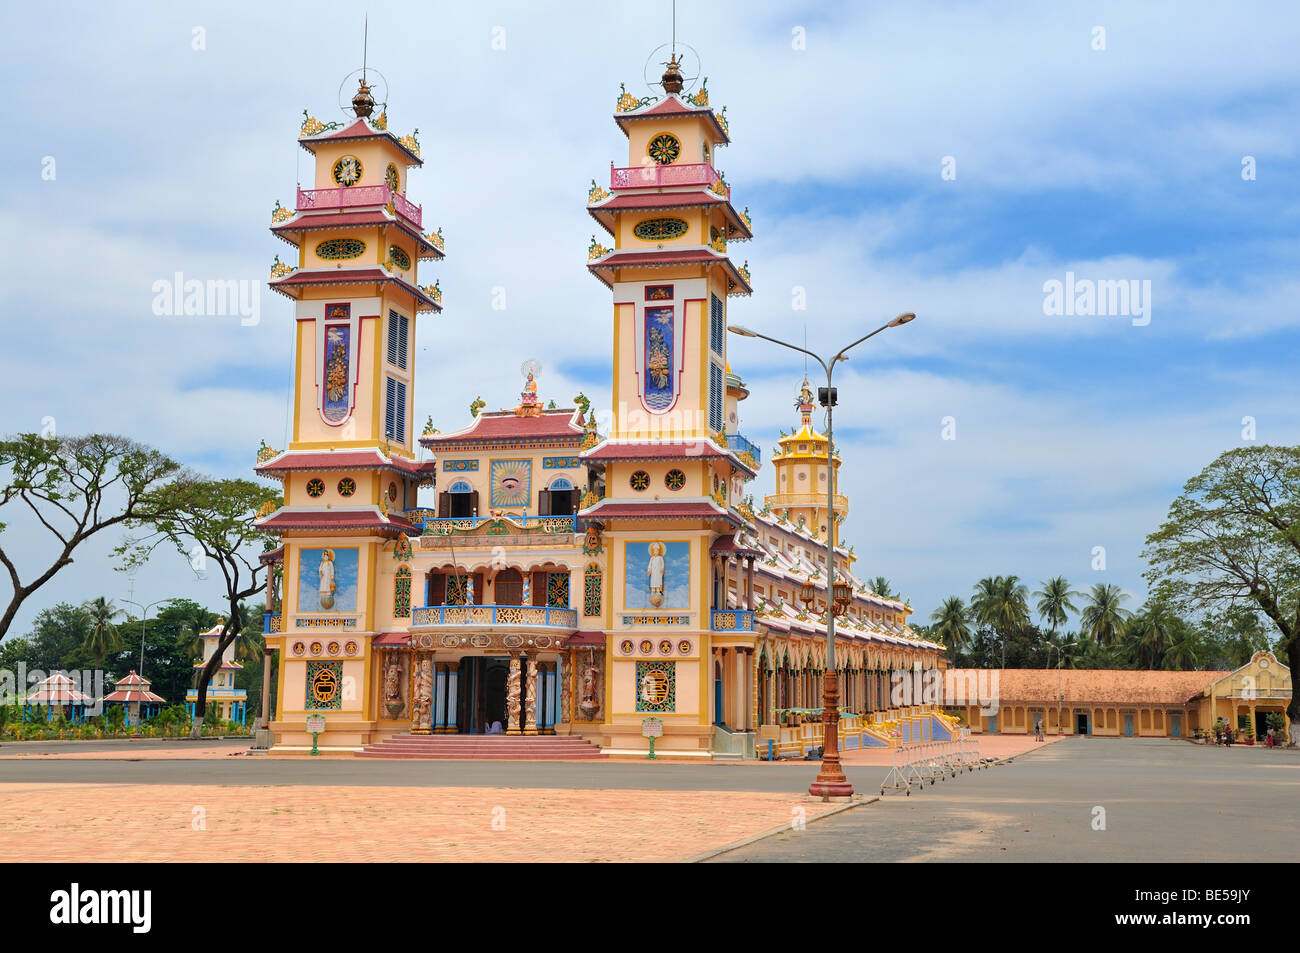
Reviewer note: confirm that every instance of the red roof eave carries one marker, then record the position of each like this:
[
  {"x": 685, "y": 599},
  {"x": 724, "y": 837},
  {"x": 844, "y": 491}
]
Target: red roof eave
[{"x": 355, "y": 276}]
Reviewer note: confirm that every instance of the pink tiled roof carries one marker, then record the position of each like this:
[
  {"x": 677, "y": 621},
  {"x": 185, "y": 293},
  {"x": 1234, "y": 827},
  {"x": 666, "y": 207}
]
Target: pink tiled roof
[
  {"x": 1080, "y": 686},
  {"x": 506, "y": 425}
]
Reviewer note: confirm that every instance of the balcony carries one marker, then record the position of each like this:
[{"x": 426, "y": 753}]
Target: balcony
[
  {"x": 533, "y": 618},
  {"x": 738, "y": 444},
  {"x": 313, "y": 200},
  {"x": 732, "y": 620},
  {"x": 434, "y": 525},
  {"x": 655, "y": 176},
  {"x": 780, "y": 501}
]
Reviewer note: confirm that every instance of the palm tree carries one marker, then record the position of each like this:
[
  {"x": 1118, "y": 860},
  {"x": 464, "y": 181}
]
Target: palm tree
[
  {"x": 1054, "y": 602},
  {"x": 103, "y": 637},
  {"x": 1180, "y": 654},
  {"x": 192, "y": 627},
  {"x": 1002, "y": 604},
  {"x": 1103, "y": 618},
  {"x": 880, "y": 586},
  {"x": 951, "y": 625},
  {"x": 250, "y": 641}
]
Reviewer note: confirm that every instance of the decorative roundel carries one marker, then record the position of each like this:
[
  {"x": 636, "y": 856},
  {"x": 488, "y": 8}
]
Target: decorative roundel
[
  {"x": 626, "y": 646},
  {"x": 392, "y": 492},
  {"x": 315, "y": 487},
  {"x": 640, "y": 480},
  {"x": 299, "y": 648},
  {"x": 684, "y": 646},
  {"x": 665, "y": 647},
  {"x": 350, "y": 648},
  {"x": 347, "y": 486},
  {"x": 315, "y": 648},
  {"x": 340, "y": 249},
  {"x": 675, "y": 479},
  {"x": 333, "y": 648},
  {"x": 664, "y": 148},
  {"x": 390, "y": 177},
  {"x": 660, "y": 229},
  {"x": 646, "y": 646},
  {"x": 347, "y": 171},
  {"x": 399, "y": 258}
]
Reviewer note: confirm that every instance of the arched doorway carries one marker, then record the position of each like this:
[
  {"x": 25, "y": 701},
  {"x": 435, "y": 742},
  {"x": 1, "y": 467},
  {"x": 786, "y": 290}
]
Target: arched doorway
[{"x": 508, "y": 588}]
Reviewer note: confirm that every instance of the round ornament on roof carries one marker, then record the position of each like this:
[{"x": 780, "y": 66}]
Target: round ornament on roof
[
  {"x": 673, "y": 67},
  {"x": 371, "y": 90}
]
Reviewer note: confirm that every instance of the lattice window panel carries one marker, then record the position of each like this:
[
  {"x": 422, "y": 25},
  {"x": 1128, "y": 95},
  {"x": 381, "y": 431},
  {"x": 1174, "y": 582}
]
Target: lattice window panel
[{"x": 591, "y": 591}]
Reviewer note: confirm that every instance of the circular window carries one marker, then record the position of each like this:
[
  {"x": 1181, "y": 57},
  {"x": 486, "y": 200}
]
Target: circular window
[
  {"x": 347, "y": 486},
  {"x": 390, "y": 177},
  {"x": 640, "y": 480},
  {"x": 675, "y": 479},
  {"x": 660, "y": 229},
  {"x": 392, "y": 492},
  {"x": 315, "y": 487},
  {"x": 340, "y": 249},
  {"x": 803, "y": 476},
  {"x": 665, "y": 148},
  {"x": 347, "y": 171},
  {"x": 399, "y": 258}
]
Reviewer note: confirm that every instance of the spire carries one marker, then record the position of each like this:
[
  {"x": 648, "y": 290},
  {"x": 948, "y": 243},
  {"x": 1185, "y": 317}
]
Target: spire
[
  {"x": 804, "y": 403},
  {"x": 363, "y": 103}
]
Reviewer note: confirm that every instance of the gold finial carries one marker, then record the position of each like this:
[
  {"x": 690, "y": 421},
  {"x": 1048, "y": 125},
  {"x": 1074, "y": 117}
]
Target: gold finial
[
  {"x": 672, "y": 78},
  {"x": 363, "y": 103}
]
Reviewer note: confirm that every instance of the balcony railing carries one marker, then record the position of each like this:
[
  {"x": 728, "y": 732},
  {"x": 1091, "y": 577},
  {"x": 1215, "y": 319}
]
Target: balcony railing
[
  {"x": 732, "y": 620},
  {"x": 311, "y": 200},
  {"x": 743, "y": 445},
  {"x": 485, "y": 615},
  {"x": 807, "y": 499},
  {"x": 655, "y": 176},
  {"x": 446, "y": 525}
]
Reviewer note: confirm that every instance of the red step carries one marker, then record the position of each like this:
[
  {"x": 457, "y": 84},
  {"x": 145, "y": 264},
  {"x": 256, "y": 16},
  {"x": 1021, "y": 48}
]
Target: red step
[{"x": 483, "y": 748}]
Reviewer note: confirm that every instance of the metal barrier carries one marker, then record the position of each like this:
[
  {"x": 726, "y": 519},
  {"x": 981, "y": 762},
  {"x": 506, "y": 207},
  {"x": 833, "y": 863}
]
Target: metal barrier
[{"x": 920, "y": 762}]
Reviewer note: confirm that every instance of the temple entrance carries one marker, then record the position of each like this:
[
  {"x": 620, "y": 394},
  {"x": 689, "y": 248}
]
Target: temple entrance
[
  {"x": 482, "y": 696},
  {"x": 1080, "y": 724}
]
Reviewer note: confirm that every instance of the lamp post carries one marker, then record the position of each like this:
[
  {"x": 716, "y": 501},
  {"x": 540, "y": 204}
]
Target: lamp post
[
  {"x": 830, "y": 781},
  {"x": 1059, "y": 699},
  {"x": 144, "y": 614}
]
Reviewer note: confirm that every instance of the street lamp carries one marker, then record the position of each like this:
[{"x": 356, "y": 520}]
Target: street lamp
[
  {"x": 830, "y": 781},
  {"x": 1059, "y": 696},
  {"x": 144, "y": 614}
]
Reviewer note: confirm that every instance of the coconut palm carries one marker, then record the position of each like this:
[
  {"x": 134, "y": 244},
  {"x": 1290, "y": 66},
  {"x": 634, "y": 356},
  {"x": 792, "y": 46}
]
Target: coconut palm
[
  {"x": 250, "y": 642},
  {"x": 1180, "y": 653},
  {"x": 881, "y": 587},
  {"x": 189, "y": 635},
  {"x": 103, "y": 637},
  {"x": 951, "y": 625},
  {"x": 1054, "y": 602},
  {"x": 1103, "y": 618},
  {"x": 1001, "y": 603}
]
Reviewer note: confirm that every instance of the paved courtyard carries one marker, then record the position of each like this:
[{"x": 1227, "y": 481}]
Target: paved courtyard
[{"x": 1162, "y": 800}]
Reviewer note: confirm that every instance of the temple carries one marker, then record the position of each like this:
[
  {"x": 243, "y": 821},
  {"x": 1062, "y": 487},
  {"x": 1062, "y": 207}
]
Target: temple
[
  {"x": 568, "y": 577},
  {"x": 228, "y": 702}
]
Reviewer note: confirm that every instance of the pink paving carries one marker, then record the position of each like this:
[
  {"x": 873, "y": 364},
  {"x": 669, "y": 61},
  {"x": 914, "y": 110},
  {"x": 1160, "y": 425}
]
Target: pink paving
[{"x": 242, "y": 823}]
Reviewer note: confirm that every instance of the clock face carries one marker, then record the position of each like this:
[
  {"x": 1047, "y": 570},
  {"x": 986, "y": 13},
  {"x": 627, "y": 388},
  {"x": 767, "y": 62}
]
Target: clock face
[
  {"x": 347, "y": 171},
  {"x": 665, "y": 149}
]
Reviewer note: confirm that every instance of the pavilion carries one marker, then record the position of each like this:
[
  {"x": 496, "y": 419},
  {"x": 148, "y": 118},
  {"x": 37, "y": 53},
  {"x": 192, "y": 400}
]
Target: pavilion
[
  {"x": 132, "y": 692},
  {"x": 58, "y": 691}
]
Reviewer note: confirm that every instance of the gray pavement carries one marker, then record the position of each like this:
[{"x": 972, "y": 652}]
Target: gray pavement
[{"x": 1162, "y": 800}]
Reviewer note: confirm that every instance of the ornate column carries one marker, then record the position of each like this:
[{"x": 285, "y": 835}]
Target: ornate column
[
  {"x": 530, "y": 709},
  {"x": 749, "y": 583},
  {"x": 512, "y": 697},
  {"x": 566, "y": 691},
  {"x": 421, "y": 693}
]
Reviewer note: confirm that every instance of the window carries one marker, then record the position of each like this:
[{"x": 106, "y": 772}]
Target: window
[
  {"x": 398, "y": 330},
  {"x": 715, "y": 397},
  {"x": 395, "y": 410},
  {"x": 715, "y": 324}
]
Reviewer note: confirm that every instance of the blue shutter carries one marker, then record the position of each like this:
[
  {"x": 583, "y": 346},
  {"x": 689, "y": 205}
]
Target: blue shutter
[
  {"x": 715, "y": 397},
  {"x": 398, "y": 330},
  {"x": 390, "y": 408},
  {"x": 716, "y": 322}
]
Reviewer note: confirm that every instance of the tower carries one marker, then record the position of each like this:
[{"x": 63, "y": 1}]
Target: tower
[
  {"x": 350, "y": 472},
  {"x": 672, "y": 479},
  {"x": 800, "y": 463}
]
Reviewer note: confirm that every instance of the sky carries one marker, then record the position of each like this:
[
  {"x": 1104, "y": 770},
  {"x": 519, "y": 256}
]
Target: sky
[{"x": 942, "y": 158}]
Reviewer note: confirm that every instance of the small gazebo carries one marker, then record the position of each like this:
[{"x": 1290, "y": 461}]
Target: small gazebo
[
  {"x": 132, "y": 692},
  {"x": 58, "y": 691}
]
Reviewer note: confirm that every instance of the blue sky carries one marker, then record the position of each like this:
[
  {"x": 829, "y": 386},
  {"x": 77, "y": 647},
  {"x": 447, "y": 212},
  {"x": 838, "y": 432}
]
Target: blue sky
[{"x": 1072, "y": 432}]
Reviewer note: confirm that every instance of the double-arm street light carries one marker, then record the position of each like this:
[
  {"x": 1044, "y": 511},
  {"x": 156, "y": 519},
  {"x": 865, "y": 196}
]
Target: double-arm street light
[
  {"x": 830, "y": 781},
  {"x": 144, "y": 614}
]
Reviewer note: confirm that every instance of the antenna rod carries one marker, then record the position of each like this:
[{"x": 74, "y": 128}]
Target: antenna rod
[
  {"x": 674, "y": 27},
  {"x": 365, "y": 46}
]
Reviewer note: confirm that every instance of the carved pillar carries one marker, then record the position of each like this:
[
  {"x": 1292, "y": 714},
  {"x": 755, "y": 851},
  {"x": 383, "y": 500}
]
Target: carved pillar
[
  {"x": 566, "y": 691},
  {"x": 530, "y": 708},
  {"x": 422, "y": 693},
  {"x": 749, "y": 583},
  {"x": 449, "y": 698},
  {"x": 512, "y": 697}
]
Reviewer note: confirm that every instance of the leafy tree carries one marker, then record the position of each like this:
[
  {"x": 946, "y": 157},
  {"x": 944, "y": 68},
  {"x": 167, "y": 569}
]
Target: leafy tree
[
  {"x": 881, "y": 587},
  {"x": 75, "y": 487},
  {"x": 103, "y": 637},
  {"x": 216, "y": 517},
  {"x": 951, "y": 625},
  {"x": 1001, "y": 603},
  {"x": 1232, "y": 539},
  {"x": 1103, "y": 618},
  {"x": 1054, "y": 602}
]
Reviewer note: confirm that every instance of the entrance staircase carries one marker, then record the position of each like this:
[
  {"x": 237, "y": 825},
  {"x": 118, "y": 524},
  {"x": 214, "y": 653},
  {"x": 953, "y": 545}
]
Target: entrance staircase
[{"x": 484, "y": 748}]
